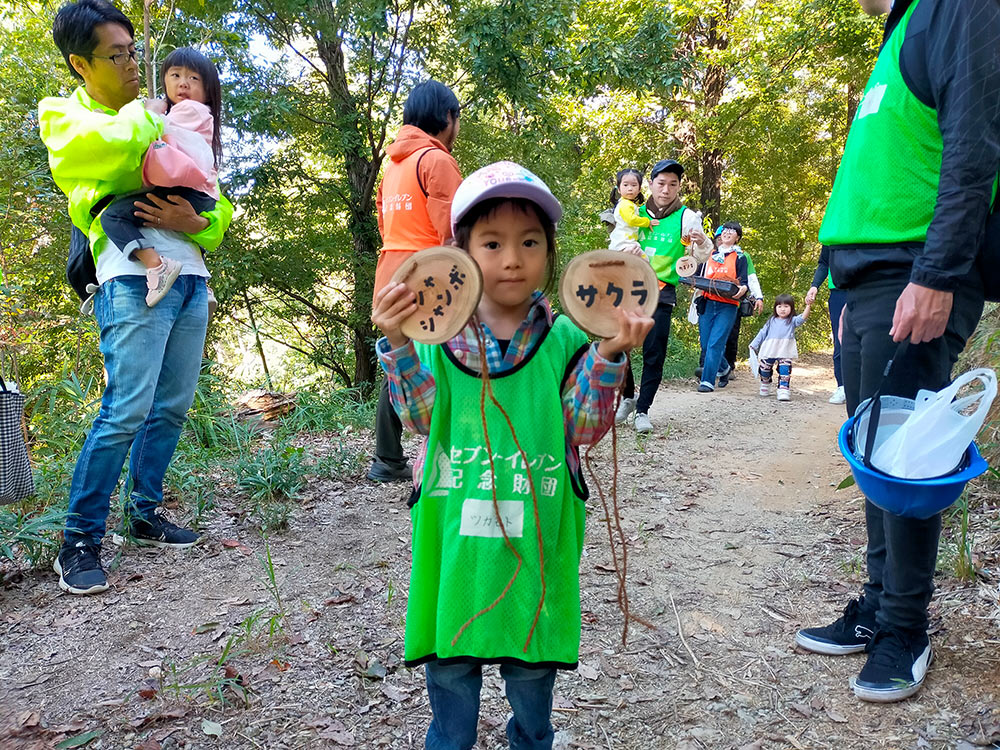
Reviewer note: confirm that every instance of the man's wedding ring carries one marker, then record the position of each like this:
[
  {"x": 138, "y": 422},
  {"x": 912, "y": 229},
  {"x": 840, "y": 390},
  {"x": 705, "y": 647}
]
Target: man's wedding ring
[{"x": 158, "y": 220}]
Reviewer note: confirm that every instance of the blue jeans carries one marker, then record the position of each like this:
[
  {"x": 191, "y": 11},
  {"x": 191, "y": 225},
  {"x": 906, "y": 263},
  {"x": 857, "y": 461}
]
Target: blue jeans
[
  {"x": 454, "y": 693},
  {"x": 713, "y": 328},
  {"x": 152, "y": 356}
]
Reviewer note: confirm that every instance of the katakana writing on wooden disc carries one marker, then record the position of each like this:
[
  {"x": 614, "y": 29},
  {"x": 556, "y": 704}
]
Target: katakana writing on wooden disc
[{"x": 448, "y": 286}]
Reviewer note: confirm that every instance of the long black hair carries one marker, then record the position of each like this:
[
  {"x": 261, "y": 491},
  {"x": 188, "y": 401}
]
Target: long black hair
[
  {"x": 784, "y": 299},
  {"x": 616, "y": 196},
  {"x": 192, "y": 59}
]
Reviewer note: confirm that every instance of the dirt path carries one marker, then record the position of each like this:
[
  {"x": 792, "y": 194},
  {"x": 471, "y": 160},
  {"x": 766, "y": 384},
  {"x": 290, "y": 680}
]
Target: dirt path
[{"x": 734, "y": 531}]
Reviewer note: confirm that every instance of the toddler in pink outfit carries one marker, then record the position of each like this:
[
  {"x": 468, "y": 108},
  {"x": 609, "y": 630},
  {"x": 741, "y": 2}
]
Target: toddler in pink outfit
[{"x": 181, "y": 166}]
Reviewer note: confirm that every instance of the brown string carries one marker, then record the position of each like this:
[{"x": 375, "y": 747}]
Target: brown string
[
  {"x": 487, "y": 387},
  {"x": 621, "y": 570}
]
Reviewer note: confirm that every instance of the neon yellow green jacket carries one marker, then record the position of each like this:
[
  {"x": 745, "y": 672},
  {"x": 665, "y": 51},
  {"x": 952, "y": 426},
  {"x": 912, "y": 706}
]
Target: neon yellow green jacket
[{"x": 95, "y": 151}]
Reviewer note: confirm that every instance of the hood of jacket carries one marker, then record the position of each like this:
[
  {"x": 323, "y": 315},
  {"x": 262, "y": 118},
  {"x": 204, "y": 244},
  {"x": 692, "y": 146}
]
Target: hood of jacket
[{"x": 409, "y": 140}]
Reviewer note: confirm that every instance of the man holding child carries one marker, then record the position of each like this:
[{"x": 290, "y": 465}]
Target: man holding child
[{"x": 96, "y": 139}]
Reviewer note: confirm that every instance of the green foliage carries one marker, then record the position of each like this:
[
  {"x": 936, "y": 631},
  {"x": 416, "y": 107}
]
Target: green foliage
[
  {"x": 30, "y": 533},
  {"x": 272, "y": 477}
]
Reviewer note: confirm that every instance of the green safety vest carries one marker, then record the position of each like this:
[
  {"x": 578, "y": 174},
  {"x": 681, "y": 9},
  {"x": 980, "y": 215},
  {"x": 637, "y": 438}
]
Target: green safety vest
[
  {"x": 461, "y": 563},
  {"x": 887, "y": 183},
  {"x": 663, "y": 244}
]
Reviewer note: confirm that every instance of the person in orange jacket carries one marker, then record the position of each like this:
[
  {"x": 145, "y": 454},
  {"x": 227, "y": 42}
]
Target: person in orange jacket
[{"x": 414, "y": 213}]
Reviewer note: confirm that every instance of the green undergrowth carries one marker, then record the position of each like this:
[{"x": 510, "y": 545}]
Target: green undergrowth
[{"x": 219, "y": 459}]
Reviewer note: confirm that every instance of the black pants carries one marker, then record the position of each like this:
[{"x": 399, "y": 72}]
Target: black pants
[
  {"x": 654, "y": 349},
  {"x": 733, "y": 342},
  {"x": 835, "y": 306},
  {"x": 388, "y": 431},
  {"x": 732, "y": 345},
  {"x": 902, "y": 552},
  {"x": 124, "y": 228}
]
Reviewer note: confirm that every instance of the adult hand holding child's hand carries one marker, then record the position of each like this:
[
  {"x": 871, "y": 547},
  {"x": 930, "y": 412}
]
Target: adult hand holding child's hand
[
  {"x": 394, "y": 303},
  {"x": 632, "y": 330}
]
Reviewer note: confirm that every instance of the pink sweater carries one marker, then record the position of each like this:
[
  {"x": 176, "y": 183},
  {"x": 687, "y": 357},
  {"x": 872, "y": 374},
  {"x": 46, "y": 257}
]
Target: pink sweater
[{"x": 183, "y": 157}]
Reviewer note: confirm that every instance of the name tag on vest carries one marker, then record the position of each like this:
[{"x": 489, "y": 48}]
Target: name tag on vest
[{"x": 480, "y": 519}]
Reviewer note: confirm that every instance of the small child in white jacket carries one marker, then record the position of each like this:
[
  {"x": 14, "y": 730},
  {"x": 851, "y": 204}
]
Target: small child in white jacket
[{"x": 775, "y": 344}]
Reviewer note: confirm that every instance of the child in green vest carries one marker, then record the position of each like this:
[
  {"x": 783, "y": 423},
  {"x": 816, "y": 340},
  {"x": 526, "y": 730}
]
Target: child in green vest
[{"x": 498, "y": 530}]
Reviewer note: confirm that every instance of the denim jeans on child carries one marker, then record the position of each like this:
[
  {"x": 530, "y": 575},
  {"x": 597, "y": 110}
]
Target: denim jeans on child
[
  {"x": 713, "y": 327},
  {"x": 766, "y": 370},
  {"x": 152, "y": 356},
  {"x": 454, "y": 695},
  {"x": 124, "y": 228}
]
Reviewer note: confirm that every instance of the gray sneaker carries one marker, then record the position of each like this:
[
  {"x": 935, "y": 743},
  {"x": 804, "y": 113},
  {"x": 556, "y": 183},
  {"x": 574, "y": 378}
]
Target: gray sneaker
[
  {"x": 160, "y": 279},
  {"x": 626, "y": 407},
  {"x": 642, "y": 423}
]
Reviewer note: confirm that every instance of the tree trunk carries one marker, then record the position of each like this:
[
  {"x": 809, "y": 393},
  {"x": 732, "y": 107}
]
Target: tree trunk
[
  {"x": 711, "y": 161},
  {"x": 360, "y": 168}
]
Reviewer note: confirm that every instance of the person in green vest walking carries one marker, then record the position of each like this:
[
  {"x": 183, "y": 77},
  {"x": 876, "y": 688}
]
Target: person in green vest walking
[
  {"x": 678, "y": 233},
  {"x": 498, "y": 515},
  {"x": 904, "y": 224}
]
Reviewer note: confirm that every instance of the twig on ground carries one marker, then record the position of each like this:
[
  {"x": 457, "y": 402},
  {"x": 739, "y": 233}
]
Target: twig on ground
[{"x": 680, "y": 632}]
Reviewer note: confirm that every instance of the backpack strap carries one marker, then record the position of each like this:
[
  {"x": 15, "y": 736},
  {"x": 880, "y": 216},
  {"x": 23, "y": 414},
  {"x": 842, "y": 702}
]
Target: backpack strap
[{"x": 420, "y": 159}]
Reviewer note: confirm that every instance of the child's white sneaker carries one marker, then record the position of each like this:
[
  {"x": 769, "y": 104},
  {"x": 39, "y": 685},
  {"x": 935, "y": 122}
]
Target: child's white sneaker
[
  {"x": 784, "y": 394},
  {"x": 626, "y": 407},
  {"x": 838, "y": 396},
  {"x": 160, "y": 279},
  {"x": 642, "y": 423},
  {"x": 765, "y": 389}
]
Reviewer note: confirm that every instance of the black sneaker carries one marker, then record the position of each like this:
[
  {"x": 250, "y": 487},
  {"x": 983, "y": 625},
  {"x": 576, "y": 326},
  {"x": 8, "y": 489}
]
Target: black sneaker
[
  {"x": 698, "y": 371},
  {"x": 159, "y": 532},
  {"x": 897, "y": 664},
  {"x": 724, "y": 379},
  {"x": 79, "y": 568},
  {"x": 705, "y": 388},
  {"x": 850, "y": 634},
  {"x": 383, "y": 472}
]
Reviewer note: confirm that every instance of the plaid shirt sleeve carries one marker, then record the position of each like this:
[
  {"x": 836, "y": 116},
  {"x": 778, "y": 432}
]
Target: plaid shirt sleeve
[
  {"x": 589, "y": 397},
  {"x": 411, "y": 385}
]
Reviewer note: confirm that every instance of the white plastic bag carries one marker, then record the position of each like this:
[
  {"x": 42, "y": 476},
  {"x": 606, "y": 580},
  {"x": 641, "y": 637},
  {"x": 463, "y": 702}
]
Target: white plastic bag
[
  {"x": 693, "y": 316},
  {"x": 932, "y": 441},
  {"x": 754, "y": 364}
]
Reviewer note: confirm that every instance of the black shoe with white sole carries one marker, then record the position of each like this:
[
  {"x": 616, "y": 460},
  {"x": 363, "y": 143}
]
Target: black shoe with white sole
[
  {"x": 157, "y": 531},
  {"x": 897, "y": 664},
  {"x": 849, "y": 634},
  {"x": 79, "y": 568}
]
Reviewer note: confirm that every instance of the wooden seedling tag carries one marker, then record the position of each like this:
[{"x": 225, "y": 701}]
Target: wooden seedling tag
[
  {"x": 448, "y": 286},
  {"x": 596, "y": 283}
]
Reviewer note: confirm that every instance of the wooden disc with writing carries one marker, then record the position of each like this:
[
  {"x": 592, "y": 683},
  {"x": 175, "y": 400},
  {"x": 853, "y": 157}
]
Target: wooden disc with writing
[
  {"x": 686, "y": 266},
  {"x": 448, "y": 285},
  {"x": 596, "y": 283}
]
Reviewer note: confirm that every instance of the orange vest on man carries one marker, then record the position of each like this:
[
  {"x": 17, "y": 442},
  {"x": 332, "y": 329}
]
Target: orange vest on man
[{"x": 414, "y": 199}]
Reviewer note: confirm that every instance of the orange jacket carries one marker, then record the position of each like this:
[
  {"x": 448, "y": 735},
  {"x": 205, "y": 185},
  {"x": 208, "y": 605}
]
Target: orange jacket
[{"x": 414, "y": 204}]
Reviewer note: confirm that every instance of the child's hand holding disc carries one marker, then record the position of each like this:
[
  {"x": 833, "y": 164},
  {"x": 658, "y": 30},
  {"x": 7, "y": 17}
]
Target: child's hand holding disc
[
  {"x": 597, "y": 284},
  {"x": 447, "y": 284}
]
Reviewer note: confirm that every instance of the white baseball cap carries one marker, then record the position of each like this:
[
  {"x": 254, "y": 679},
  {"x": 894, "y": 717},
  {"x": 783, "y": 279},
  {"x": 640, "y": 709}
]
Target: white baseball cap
[{"x": 504, "y": 179}]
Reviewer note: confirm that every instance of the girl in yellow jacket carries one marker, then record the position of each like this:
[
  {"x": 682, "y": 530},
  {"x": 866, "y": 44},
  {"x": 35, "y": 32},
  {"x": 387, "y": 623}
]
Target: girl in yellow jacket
[{"x": 626, "y": 197}]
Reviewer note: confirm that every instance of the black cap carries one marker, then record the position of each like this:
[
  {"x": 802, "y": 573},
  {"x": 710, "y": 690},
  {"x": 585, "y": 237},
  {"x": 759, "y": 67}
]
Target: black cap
[{"x": 666, "y": 165}]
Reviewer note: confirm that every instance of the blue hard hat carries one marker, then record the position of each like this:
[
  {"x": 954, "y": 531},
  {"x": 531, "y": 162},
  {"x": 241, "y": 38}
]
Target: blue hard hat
[{"x": 913, "y": 498}]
